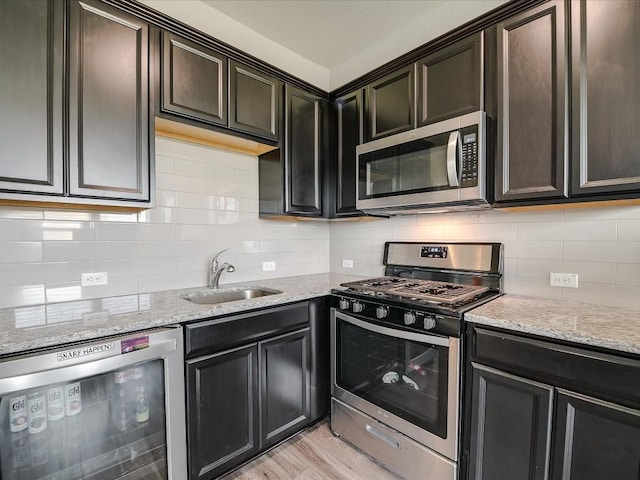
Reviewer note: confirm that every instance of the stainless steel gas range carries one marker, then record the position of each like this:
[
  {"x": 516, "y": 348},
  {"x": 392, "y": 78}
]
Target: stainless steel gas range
[{"x": 396, "y": 353}]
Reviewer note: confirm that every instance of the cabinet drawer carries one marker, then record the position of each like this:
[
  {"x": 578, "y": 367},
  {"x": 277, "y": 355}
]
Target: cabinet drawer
[
  {"x": 223, "y": 333},
  {"x": 605, "y": 376}
]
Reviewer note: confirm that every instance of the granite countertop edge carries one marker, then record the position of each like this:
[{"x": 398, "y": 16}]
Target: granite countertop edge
[
  {"x": 148, "y": 311},
  {"x": 607, "y": 327}
]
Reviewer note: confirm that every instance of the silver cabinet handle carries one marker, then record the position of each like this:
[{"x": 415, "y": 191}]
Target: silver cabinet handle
[{"x": 454, "y": 151}]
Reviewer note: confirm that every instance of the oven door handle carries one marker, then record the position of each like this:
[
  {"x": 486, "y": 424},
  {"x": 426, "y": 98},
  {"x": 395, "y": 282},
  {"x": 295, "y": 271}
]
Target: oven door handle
[{"x": 393, "y": 332}]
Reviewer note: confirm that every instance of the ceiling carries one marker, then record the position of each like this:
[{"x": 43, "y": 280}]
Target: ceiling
[
  {"x": 351, "y": 37},
  {"x": 327, "y": 32}
]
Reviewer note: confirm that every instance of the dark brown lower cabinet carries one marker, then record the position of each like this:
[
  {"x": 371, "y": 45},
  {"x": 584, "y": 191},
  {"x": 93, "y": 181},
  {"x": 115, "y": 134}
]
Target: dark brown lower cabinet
[
  {"x": 595, "y": 440},
  {"x": 510, "y": 422},
  {"x": 538, "y": 409},
  {"x": 252, "y": 380},
  {"x": 223, "y": 411},
  {"x": 284, "y": 383}
]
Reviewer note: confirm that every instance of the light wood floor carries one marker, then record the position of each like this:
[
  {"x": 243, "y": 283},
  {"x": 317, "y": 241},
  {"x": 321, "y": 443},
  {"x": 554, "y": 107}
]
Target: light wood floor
[{"x": 313, "y": 455}]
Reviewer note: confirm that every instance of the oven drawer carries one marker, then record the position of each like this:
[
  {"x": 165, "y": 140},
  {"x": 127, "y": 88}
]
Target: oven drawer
[
  {"x": 611, "y": 377},
  {"x": 389, "y": 447}
]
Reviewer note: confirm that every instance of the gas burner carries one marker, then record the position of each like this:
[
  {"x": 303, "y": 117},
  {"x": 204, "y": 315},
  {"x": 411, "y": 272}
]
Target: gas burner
[{"x": 429, "y": 290}]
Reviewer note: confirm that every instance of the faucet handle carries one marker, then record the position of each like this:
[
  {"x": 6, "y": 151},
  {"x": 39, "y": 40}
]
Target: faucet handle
[{"x": 215, "y": 258}]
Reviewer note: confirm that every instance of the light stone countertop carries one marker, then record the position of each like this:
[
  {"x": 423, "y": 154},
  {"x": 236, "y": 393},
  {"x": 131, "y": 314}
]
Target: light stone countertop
[
  {"x": 596, "y": 325},
  {"x": 33, "y": 327}
]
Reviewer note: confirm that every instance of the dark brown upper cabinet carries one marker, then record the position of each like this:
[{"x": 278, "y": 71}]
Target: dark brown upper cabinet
[
  {"x": 193, "y": 80},
  {"x": 254, "y": 101},
  {"x": 109, "y": 147},
  {"x": 605, "y": 90},
  {"x": 31, "y": 102},
  {"x": 450, "y": 81},
  {"x": 290, "y": 178},
  {"x": 349, "y": 124},
  {"x": 532, "y": 116},
  {"x": 390, "y": 104}
]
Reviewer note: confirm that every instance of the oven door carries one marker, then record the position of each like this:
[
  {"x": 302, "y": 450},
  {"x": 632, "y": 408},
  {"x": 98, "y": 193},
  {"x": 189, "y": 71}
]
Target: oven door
[{"x": 409, "y": 381}]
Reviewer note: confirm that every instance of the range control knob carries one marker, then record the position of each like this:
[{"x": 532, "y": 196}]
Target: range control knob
[
  {"x": 409, "y": 318},
  {"x": 429, "y": 322},
  {"x": 382, "y": 312},
  {"x": 357, "y": 307},
  {"x": 344, "y": 304}
]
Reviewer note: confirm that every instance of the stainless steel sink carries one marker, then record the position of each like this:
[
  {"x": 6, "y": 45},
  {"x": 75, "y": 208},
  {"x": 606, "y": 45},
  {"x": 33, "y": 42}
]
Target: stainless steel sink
[{"x": 212, "y": 297}]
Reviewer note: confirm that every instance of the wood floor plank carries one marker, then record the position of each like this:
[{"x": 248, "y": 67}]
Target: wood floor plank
[{"x": 315, "y": 454}]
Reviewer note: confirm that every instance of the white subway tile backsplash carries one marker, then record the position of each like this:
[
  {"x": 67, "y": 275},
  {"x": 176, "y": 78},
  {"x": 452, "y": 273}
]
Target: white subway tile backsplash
[
  {"x": 207, "y": 200},
  {"x": 21, "y": 252},
  {"x": 579, "y": 230},
  {"x": 629, "y": 230}
]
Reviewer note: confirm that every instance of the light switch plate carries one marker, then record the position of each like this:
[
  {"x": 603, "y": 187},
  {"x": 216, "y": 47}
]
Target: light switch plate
[{"x": 347, "y": 263}]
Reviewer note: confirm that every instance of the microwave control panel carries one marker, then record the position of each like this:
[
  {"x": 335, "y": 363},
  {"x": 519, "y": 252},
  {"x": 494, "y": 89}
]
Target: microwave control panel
[{"x": 469, "y": 177}]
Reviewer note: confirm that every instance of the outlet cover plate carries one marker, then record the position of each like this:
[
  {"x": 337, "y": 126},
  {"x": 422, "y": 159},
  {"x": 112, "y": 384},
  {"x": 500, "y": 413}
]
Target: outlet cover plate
[
  {"x": 268, "y": 266},
  {"x": 567, "y": 280},
  {"x": 93, "y": 279}
]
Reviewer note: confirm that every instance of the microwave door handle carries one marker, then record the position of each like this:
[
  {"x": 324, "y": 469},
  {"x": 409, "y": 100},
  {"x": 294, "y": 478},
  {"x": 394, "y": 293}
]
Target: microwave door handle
[{"x": 454, "y": 151}]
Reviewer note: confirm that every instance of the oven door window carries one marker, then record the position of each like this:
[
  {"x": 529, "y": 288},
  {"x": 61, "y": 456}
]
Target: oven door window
[
  {"x": 406, "y": 378},
  {"x": 413, "y": 167}
]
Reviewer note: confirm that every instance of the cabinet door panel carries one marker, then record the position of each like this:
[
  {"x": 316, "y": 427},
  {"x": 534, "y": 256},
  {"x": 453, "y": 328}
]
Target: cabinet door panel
[
  {"x": 254, "y": 101},
  {"x": 302, "y": 152},
  {"x": 194, "y": 80},
  {"x": 531, "y": 152},
  {"x": 350, "y": 135},
  {"x": 450, "y": 81},
  {"x": 222, "y": 411},
  {"x": 510, "y": 424},
  {"x": 284, "y": 380},
  {"x": 606, "y": 96},
  {"x": 391, "y": 104},
  {"x": 31, "y": 87},
  {"x": 595, "y": 440},
  {"x": 108, "y": 103}
]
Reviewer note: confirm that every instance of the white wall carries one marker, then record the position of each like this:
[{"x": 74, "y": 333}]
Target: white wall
[
  {"x": 421, "y": 30},
  {"x": 225, "y": 28},
  {"x": 602, "y": 245},
  {"x": 207, "y": 200}
]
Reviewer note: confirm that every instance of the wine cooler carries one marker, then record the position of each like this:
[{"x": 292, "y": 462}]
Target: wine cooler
[{"x": 111, "y": 408}]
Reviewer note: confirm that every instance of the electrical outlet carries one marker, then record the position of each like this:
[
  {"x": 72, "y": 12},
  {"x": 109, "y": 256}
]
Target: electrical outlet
[
  {"x": 347, "y": 263},
  {"x": 569, "y": 280},
  {"x": 268, "y": 266},
  {"x": 92, "y": 279}
]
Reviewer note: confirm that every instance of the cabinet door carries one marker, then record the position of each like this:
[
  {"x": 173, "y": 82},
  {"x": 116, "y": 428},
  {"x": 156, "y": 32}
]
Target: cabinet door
[
  {"x": 390, "y": 104},
  {"x": 222, "y": 411},
  {"x": 605, "y": 96},
  {"x": 350, "y": 134},
  {"x": 450, "y": 81},
  {"x": 531, "y": 150},
  {"x": 31, "y": 88},
  {"x": 510, "y": 427},
  {"x": 284, "y": 385},
  {"x": 595, "y": 440},
  {"x": 108, "y": 103},
  {"x": 303, "y": 152},
  {"x": 254, "y": 101},
  {"x": 194, "y": 80}
]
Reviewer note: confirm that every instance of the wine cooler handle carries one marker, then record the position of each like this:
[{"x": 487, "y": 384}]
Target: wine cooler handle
[{"x": 82, "y": 370}]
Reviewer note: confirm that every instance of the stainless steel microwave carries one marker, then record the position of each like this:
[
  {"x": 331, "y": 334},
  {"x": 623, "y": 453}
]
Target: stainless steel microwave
[{"x": 438, "y": 167}]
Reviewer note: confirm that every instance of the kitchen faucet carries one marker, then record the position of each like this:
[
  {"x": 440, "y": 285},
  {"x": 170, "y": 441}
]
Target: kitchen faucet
[{"x": 216, "y": 270}]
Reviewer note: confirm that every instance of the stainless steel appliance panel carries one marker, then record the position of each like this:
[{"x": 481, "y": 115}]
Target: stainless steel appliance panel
[
  {"x": 112, "y": 408},
  {"x": 392, "y": 449},
  {"x": 437, "y": 425}
]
